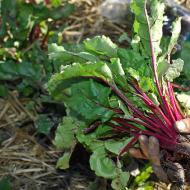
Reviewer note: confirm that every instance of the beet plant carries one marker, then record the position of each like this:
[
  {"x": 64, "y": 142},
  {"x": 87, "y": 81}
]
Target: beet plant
[{"x": 113, "y": 95}]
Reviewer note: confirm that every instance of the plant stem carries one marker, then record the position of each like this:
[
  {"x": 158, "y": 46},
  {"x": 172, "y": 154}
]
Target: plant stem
[{"x": 171, "y": 95}]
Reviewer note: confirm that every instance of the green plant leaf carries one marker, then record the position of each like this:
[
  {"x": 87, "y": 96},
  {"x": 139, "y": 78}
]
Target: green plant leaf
[
  {"x": 93, "y": 100},
  {"x": 116, "y": 146},
  {"x": 124, "y": 109},
  {"x": 65, "y": 133},
  {"x": 174, "y": 70},
  {"x": 142, "y": 178},
  {"x": 118, "y": 72},
  {"x": 63, "y": 161},
  {"x": 101, "y": 45},
  {"x": 124, "y": 37},
  {"x": 184, "y": 99},
  {"x": 120, "y": 182},
  {"x": 102, "y": 165},
  {"x": 176, "y": 29},
  {"x": 3, "y": 91},
  {"x": 43, "y": 124},
  {"x": 140, "y": 26},
  {"x": 185, "y": 57},
  {"x": 99, "y": 69},
  {"x": 60, "y": 56},
  {"x": 56, "y": 3},
  {"x": 162, "y": 68},
  {"x": 5, "y": 184}
]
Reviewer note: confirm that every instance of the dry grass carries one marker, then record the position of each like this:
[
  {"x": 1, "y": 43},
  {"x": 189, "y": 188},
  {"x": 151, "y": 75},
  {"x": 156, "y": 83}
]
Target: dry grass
[
  {"x": 185, "y": 3},
  {"x": 30, "y": 166},
  {"x": 13, "y": 111},
  {"x": 87, "y": 22}
]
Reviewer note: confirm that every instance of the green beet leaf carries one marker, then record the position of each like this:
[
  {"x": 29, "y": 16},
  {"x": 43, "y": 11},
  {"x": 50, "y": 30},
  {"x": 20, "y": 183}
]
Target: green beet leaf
[
  {"x": 101, "y": 45},
  {"x": 59, "y": 54},
  {"x": 43, "y": 124},
  {"x": 90, "y": 100},
  {"x": 185, "y": 56},
  {"x": 140, "y": 24},
  {"x": 120, "y": 182},
  {"x": 115, "y": 146},
  {"x": 63, "y": 162},
  {"x": 64, "y": 137},
  {"x": 112, "y": 94},
  {"x": 102, "y": 165},
  {"x": 174, "y": 70}
]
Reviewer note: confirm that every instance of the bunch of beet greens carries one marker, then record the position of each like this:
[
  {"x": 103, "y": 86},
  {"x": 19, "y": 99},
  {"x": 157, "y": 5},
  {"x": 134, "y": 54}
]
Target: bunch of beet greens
[{"x": 114, "y": 95}]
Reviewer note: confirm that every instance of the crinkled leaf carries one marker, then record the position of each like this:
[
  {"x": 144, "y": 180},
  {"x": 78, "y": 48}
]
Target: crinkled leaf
[
  {"x": 134, "y": 73},
  {"x": 174, "y": 70},
  {"x": 134, "y": 64},
  {"x": 176, "y": 29},
  {"x": 144, "y": 176},
  {"x": 184, "y": 99},
  {"x": 63, "y": 161},
  {"x": 91, "y": 140},
  {"x": 130, "y": 58},
  {"x": 120, "y": 182},
  {"x": 64, "y": 137},
  {"x": 101, "y": 45},
  {"x": 145, "y": 83}
]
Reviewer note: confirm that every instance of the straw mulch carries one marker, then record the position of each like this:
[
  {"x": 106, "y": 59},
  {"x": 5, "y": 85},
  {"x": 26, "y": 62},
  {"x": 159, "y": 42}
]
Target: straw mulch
[
  {"x": 31, "y": 166},
  {"x": 87, "y": 22},
  {"x": 27, "y": 159},
  {"x": 185, "y": 3}
]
